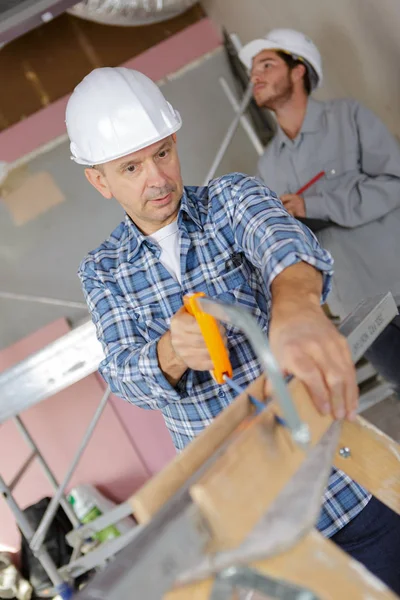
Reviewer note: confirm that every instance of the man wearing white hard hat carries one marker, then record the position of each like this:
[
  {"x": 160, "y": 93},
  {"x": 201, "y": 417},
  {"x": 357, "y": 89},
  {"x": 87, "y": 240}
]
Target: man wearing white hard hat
[
  {"x": 337, "y": 167},
  {"x": 232, "y": 240}
]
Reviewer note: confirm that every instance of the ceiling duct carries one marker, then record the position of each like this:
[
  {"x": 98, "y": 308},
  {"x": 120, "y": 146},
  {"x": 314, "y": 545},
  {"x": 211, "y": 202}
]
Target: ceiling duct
[
  {"x": 20, "y": 16},
  {"x": 130, "y": 12}
]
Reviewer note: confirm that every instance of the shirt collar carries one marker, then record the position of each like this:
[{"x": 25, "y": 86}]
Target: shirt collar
[
  {"x": 311, "y": 123},
  {"x": 190, "y": 206},
  {"x": 312, "y": 120},
  {"x": 136, "y": 238}
]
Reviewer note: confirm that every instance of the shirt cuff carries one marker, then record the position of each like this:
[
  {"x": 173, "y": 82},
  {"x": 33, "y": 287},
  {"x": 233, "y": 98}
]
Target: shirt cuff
[
  {"x": 316, "y": 207},
  {"x": 154, "y": 378},
  {"x": 321, "y": 263}
]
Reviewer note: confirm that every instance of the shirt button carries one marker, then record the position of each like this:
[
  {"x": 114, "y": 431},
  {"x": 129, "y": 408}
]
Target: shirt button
[
  {"x": 221, "y": 394},
  {"x": 137, "y": 315}
]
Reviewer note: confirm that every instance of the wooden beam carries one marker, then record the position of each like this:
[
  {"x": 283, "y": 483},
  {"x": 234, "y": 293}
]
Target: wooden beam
[
  {"x": 149, "y": 499},
  {"x": 164, "y": 485},
  {"x": 374, "y": 460},
  {"x": 238, "y": 488}
]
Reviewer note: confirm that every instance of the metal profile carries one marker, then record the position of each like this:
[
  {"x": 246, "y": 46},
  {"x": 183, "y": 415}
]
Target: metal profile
[{"x": 56, "y": 367}]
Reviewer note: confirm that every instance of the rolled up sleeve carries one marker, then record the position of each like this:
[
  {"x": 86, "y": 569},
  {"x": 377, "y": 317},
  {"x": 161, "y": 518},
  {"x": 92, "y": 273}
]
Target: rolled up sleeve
[{"x": 271, "y": 239}]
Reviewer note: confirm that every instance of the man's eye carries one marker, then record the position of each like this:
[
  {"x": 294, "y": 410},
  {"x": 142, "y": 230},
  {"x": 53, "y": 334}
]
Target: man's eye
[
  {"x": 131, "y": 168},
  {"x": 163, "y": 153}
]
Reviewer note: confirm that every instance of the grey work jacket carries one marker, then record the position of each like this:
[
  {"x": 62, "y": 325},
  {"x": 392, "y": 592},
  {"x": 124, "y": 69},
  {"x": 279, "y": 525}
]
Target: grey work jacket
[{"x": 358, "y": 198}]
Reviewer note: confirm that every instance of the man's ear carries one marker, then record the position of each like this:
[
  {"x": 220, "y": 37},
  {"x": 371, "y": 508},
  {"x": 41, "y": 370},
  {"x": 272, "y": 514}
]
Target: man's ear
[
  {"x": 174, "y": 137},
  {"x": 298, "y": 72},
  {"x": 98, "y": 180}
]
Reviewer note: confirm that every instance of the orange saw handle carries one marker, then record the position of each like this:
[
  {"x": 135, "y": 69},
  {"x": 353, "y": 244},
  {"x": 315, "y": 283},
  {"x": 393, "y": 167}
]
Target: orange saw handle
[{"x": 212, "y": 337}]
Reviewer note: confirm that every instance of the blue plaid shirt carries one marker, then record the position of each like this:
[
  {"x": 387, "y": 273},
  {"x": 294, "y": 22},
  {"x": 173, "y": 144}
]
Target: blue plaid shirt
[{"x": 236, "y": 238}]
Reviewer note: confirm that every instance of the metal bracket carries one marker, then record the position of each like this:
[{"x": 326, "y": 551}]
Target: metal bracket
[
  {"x": 57, "y": 366},
  {"x": 366, "y": 323}
]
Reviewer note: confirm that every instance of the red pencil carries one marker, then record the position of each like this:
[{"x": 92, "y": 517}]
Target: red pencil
[{"x": 310, "y": 183}]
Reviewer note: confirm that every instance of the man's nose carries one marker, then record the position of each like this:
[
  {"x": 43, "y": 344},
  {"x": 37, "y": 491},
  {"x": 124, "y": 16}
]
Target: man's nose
[
  {"x": 255, "y": 77},
  {"x": 155, "y": 176}
]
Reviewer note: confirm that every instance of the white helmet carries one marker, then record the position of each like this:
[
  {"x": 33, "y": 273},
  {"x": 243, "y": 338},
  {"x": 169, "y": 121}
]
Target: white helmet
[
  {"x": 115, "y": 111},
  {"x": 293, "y": 42}
]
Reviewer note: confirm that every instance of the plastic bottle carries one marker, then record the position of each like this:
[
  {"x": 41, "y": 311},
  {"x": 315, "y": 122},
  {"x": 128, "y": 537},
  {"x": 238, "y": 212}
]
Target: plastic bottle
[{"x": 86, "y": 510}]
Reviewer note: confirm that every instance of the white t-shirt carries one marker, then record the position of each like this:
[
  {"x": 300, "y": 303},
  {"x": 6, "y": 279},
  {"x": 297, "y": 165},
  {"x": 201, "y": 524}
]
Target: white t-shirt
[{"x": 168, "y": 238}]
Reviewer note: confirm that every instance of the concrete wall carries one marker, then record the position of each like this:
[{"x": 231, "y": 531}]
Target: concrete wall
[{"x": 358, "y": 39}]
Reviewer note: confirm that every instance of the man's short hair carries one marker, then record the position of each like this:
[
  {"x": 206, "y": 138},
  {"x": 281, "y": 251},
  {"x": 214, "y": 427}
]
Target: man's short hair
[{"x": 310, "y": 78}]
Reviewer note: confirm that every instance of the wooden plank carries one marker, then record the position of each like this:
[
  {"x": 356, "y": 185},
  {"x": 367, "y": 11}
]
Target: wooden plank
[
  {"x": 164, "y": 485},
  {"x": 237, "y": 489},
  {"x": 257, "y": 465},
  {"x": 316, "y": 564},
  {"x": 232, "y": 495},
  {"x": 149, "y": 499},
  {"x": 372, "y": 448},
  {"x": 374, "y": 460},
  {"x": 235, "y": 492}
]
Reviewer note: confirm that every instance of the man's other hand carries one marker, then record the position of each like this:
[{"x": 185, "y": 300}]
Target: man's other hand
[{"x": 294, "y": 204}]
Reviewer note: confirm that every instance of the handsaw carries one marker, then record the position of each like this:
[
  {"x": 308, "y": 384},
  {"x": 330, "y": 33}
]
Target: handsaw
[{"x": 206, "y": 311}]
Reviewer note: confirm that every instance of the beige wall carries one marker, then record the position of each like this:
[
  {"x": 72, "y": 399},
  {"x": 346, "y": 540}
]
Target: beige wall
[{"x": 359, "y": 41}]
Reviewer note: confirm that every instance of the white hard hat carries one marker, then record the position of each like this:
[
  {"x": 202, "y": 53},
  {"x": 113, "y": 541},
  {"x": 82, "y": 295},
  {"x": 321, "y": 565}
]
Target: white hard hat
[
  {"x": 116, "y": 111},
  {"x": 293, "y": 42}
]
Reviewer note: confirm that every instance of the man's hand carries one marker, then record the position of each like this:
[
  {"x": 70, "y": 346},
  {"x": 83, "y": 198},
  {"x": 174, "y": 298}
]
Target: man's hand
[
  {"x": 188, "y": 342},
  {"x": 307, "y": 345},
  {"x": 294, "y": 204}
]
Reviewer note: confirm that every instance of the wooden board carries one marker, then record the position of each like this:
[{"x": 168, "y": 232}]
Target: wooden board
[
  {"x": 163, "y": 486},
  {"x": 374, "y": 463},
  {"x": 149, "y": 499},
  {"x": 257, "y": 460},
  {"x": 374, "y": 460},
  {"x": 239, "y": 487}
]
